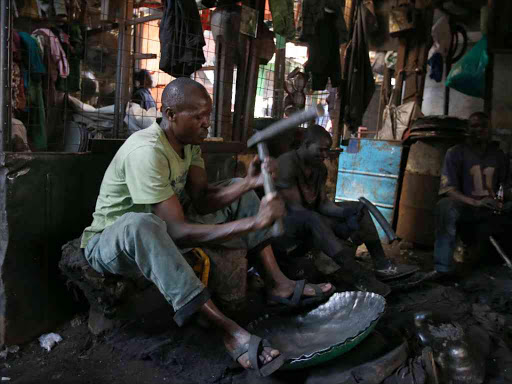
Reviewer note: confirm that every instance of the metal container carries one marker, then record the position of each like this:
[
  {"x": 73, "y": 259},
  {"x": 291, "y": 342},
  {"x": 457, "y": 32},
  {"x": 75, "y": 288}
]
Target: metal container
[
  {"x": 325, "y": 332},
  {"x": 370, "y": 168},
  {"x": 420, "y": 191}
]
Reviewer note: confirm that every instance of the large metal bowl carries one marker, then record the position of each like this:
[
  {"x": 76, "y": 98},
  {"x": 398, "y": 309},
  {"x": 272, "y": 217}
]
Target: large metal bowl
[{"x": 325, "y": 332}]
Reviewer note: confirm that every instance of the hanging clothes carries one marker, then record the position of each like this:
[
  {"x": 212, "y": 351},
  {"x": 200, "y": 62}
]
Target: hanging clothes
[
  {"x": 324, "y": 29},
  {"x": 283, "y": 18},
  {"x": 57, "y": 66},
  {"x": 17, "y": 85},
  {"x": 57, "y": 54},
  {"x": 181, "y": 38},
  {"x": 315, "y": 10},
  {"x": 360, "y": 84},
  {"x": 324, "y": 54},
  {"x": 73, "y": 45},
  {"x": 33, "y": 71}
]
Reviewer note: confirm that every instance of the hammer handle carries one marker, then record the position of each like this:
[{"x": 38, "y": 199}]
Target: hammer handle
[{"x": 269, "y": 187}]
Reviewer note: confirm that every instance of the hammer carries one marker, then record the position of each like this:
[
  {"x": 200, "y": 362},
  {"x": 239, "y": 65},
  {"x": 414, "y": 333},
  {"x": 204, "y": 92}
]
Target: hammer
[{"x": 259, "y": 139}]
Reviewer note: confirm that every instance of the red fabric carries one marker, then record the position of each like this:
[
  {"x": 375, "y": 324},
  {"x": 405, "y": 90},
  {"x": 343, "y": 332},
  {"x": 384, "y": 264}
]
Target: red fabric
[{"x": 205, "y": 19}]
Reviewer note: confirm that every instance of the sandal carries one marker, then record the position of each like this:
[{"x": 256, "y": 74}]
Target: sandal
[
  {"x": 297, "y": 300},
  {"x": 254, "y": 347}
]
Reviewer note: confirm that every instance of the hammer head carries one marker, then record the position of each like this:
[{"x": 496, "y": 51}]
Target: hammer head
[{"x": 284, "y": 125}]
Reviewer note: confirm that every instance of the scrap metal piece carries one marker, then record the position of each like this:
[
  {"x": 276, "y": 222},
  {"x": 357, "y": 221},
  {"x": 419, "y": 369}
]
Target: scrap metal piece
[
  {"x": 380, "y": 219},
  {"x": 325, "y": 332},
  {"x": 500, "y": 251}
]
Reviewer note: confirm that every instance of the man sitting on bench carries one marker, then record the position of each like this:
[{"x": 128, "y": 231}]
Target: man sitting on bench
[{"x": 141, "y": 221}]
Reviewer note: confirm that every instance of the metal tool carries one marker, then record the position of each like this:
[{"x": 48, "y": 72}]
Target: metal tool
[
  {"x": 260, "y": 138},
  {"x": 500, "y": 251},
  {"x": 386, "y": 227}
]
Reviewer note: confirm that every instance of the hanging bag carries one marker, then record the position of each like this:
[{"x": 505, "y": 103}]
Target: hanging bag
[
  {"x": 402, "y": 19},
  {"x": 468, "y": 74}
]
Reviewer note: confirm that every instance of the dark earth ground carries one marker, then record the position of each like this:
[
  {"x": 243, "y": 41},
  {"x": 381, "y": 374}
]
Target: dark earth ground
[{"x": 154, "y": 350}]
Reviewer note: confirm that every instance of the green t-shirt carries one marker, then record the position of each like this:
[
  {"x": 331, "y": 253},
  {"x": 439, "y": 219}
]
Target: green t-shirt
[{"x": 146, "y": 170}]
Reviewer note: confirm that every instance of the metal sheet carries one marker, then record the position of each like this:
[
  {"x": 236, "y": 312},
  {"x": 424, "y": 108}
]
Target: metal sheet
[
  {"x": 370, "y": 168},
  {"x": 325, "y": 332}
]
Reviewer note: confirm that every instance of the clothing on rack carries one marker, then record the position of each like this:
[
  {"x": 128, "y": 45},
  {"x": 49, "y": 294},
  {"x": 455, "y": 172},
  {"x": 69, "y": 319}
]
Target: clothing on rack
[
  {"x": 33, "y": 71},
  {"x": 57, "y": 66},
  {"x": 18, "y": 92},
  {"x": 19, "y": 101},
  {"x": 181, "y": 38},
  {"x": 57, "y": 55},
  {"x": 73, "y": 45}
]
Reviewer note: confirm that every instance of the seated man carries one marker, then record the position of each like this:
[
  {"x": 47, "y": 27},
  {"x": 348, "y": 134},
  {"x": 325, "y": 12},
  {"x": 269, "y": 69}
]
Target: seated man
[
  {"x": 302, "y": 178},
  {"x": 140, "y": 225},
  {"x": 472, "y": 174}
]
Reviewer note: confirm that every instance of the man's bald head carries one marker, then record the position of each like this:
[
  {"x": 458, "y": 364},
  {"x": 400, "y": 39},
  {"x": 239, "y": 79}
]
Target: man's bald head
[{"x": 174, "y": 95}]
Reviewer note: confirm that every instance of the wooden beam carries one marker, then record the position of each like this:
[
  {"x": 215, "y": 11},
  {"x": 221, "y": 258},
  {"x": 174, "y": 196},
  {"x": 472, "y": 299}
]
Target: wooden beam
[
  {"x": 223, "y": 88},
  {"x": 418, "y": 56},
  {"x": 279, "y": 73}
]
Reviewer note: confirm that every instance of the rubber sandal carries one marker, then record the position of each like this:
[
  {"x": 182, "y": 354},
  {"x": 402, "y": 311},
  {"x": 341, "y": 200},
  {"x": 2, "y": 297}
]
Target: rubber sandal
[
  {"x": 254, "y": 347},
  {"x": 397, "y": 271},
  {"x": 297, "y": 300}
]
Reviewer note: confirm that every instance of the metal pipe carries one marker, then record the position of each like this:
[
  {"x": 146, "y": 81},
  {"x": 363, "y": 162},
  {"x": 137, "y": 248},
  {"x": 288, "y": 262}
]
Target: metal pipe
[
  {"x": 119, "y": 82},
  {"x": 144, "y": 19},
  {"x": 500, "y": 251},
  {"x": 5, "y": 87},
  {"x": 380, "y": 219},
  {"x": 284, "y": 125}
]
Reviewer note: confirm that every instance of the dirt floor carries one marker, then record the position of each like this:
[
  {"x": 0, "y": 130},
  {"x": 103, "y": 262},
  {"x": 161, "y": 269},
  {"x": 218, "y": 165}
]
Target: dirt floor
[{"x": 153, "y": 350}]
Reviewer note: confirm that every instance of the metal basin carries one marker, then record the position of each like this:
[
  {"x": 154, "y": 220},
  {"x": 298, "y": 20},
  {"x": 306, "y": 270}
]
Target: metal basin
[{"x": 325, "y": 332}]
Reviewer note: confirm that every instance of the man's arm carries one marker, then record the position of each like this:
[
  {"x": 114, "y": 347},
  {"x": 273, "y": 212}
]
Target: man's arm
[
  {"x": 208, "y": 198},
  {"x": 455, "y": 194},
  {"x": 328, "y": 208},
  {"x": 451, "y": 176},
  {"x": 292, "y": 198},
  {"x": 185, "y": 234}
]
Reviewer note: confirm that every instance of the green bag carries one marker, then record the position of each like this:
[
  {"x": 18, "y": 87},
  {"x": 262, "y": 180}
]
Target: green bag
[{"x": 468, "y": 74}]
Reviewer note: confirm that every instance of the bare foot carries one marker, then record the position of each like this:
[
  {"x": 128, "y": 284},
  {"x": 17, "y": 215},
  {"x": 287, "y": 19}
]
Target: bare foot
[
  {"x": 241, "y": 338},
  {"x": 285, "y": 289}
]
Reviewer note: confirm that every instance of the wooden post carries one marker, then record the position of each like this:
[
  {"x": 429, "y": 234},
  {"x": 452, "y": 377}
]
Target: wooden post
[
  {"x": 279, "y": 72},
  {"x": 489, "y": 72},
  {"x": 384, "y": 95},
  {"x": 418, "y": 54},
  {"x": 223, "y": 84}
]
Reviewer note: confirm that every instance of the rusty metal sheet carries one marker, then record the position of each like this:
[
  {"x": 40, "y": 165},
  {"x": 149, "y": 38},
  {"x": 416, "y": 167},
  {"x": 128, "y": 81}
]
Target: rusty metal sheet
[{"x": 370, "y": 168}]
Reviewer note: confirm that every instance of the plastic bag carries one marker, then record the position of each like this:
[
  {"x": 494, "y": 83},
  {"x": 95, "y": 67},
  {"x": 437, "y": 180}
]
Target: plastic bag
[
  {"x": 47, "y": 341},
  {"x": 468, "y": 74}
]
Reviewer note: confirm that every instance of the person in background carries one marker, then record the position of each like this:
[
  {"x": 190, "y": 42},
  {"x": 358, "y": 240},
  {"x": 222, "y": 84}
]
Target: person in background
[
  {"x": 142, "y": 94},
  {"x": 313, "y": 216},
  {"x": 470, "y": 179}
]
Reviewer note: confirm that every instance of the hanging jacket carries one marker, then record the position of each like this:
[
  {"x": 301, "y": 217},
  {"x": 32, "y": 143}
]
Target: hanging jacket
[
  {"x": 181, "y": 38},
  {"x": 360, "y": 84},
  {"x": 313, "y": 11}
]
